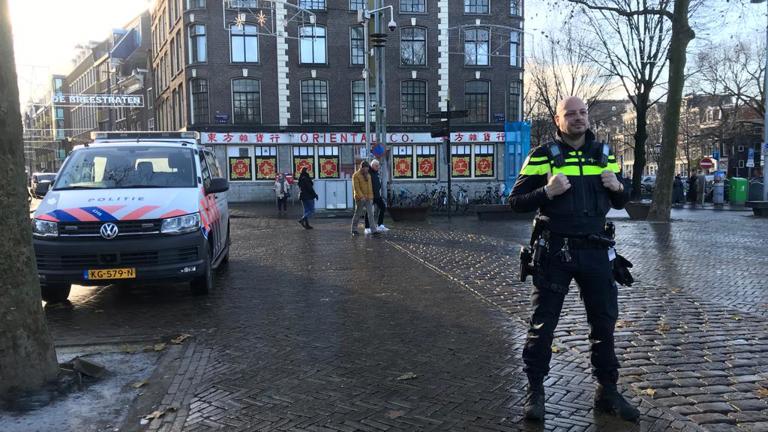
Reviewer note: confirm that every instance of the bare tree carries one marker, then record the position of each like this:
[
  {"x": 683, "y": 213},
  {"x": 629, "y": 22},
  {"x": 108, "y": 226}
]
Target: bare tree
[
  {"x": 27, "y": 356},
  {"x": 631, "y": 44}
]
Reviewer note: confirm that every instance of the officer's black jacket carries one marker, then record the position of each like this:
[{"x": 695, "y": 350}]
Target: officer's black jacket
[{"x": 581, "y": 210}]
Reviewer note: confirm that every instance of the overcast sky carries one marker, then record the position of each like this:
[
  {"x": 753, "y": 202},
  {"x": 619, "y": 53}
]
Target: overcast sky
[{"x": 47, "y": 31}]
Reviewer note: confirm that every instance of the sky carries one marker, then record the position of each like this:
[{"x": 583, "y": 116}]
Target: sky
[
  {"x": 45, "y": 34},
  {"x": 47, "y": 31}
]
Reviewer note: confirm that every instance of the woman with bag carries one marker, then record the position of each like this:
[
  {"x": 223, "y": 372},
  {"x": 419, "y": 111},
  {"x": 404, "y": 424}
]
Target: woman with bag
[
  {"x": 282, "y": 189},
  {"x": 307, "y": 197}
]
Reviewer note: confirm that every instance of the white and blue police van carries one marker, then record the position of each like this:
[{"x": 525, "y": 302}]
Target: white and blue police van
[{"x": 133, "y": 207}]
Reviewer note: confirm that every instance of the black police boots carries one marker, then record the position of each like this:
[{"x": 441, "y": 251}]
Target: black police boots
[
  {"x": 608, "y": 400},
  {"x": 534, "y": 399}
]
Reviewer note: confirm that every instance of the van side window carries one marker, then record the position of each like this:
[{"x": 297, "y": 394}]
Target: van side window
[
  {"x": 213, "y": 166},
  {"x": 204, "y": 170}
]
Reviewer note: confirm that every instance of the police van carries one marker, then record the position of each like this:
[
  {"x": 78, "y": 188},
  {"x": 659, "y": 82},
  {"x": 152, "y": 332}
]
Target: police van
[{"x": 133, "y": 207}]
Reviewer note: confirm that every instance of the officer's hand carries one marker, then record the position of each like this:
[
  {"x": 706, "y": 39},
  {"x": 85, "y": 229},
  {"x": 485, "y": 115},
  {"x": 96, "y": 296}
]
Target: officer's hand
[
  {"x": 557, "y": 185},
  {"x": 610, "y": 181}
]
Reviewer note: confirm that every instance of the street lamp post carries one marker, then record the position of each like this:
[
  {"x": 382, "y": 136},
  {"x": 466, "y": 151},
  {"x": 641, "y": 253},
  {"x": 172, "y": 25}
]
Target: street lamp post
[
  {"x": 363, "y": 16},
  {"x": 764, "y": 150}
]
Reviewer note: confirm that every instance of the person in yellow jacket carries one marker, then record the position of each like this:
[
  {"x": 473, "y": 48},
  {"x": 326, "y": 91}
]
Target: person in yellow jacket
[{"x": 362, "y": 192}]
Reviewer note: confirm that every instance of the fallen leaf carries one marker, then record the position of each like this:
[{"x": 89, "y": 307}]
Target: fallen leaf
[
  {"x": 538, "y": 326},
  {"x": 139, "y": 384},
  {"x": 181, "y": 338},
  {"x": 623, "y": 324},
  {"x": 555, "y": 349},
  {"x": 406, "y": 376},
  {"x": 762, "y": 393},
  {"x": 736, "y": 317},
  {"x": 154, "y": 415},
  {"x": 159, "y": 346},
  {"x": 395, "y": 414},
  {"x": 128, "y": 349},
  {"x": 649, "y": 392},
  {"x": 663, "y": 327}
]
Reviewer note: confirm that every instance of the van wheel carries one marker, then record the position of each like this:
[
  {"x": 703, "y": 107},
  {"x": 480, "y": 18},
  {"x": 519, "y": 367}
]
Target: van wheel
[
  {"x": 55, "y": 293},
  {"x": 201, "y": 285}
]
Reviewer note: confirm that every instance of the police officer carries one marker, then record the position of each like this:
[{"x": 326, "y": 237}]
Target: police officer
[{"x": 573, "y": 183}]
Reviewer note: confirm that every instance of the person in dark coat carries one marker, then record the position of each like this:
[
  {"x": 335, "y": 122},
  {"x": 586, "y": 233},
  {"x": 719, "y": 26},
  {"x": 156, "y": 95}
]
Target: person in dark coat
[
  {"x": 692, "y": 188},
  {"x": 307, "y": 197},
  {"x": 378, "y": 201},
  {"x": 678, "y": 190}
]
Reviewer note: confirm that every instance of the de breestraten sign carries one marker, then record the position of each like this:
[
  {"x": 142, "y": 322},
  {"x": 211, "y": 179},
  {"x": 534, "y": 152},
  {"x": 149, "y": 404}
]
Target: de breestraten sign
[{"x": 99, "y": 100}]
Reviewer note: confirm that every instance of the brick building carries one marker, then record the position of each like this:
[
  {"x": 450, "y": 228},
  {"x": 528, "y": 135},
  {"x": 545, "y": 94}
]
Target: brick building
[
  {"x": 44, "y": 130},
  {"x": 274, "y": 88}
]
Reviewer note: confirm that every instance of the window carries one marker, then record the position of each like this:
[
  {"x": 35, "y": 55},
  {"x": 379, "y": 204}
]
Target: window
[
  {"x": 476, "y": 101},
  {"x": 199, "y": 101},
  {"x": 358, "y": 101},
  {"x": 266, "y": 162},
  {"x": 356, "y": 46},
  {"x": 357, "y": 4},
  {"x": 514, "y": 49},
  {"x": 426, "y": 161},
  {"x": 243, "y": 4},
  {"x": 150, "y": 98},
  {"x": 244, "y": 44},
  {"x": 328, "y": 162},
  {"x": 476, "y": 7},
  {"x": 303, "y": 157},
  {"x": 312, "y": 4},
  {"x": 514, "y": 7},
  {"x": 312, "y": 44},
  {"x": 197, "y": 46},
  {"x": 402, "y": 162},
  {"x": 461, "y": 158},
  {"x": 484, "y": 160},
  {"x": 513, "y": 101},
  {"x": 413, "y": 46},
  {"x": 314, "y": 101},
  {"x": 195, "y": 4},
  {"x": 246, "y": 101},
  {"x": 413, "y": 97},
  {"x": 476, "y": 47},
  {"x": 413, "y": 6}
]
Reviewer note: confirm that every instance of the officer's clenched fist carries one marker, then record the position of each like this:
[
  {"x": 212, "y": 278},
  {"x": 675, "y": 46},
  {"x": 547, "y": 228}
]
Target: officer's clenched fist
[
  {"x": 557, "y": 185},
  {"x": 610, "y": 181}
]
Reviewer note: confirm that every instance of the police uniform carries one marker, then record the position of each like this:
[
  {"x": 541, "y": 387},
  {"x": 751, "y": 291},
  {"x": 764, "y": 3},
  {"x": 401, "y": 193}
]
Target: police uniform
[{"x": 572, "y": 217}]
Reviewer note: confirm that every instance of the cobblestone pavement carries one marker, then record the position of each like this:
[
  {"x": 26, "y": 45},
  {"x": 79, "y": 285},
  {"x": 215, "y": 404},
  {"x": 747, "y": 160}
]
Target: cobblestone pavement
[
  {"x": 693, "y": 332},
  {"x": 314, "y": 330}
]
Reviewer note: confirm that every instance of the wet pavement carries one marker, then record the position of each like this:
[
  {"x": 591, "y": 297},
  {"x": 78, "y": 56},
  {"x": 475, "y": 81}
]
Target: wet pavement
[{"x": 423, "y": 329}]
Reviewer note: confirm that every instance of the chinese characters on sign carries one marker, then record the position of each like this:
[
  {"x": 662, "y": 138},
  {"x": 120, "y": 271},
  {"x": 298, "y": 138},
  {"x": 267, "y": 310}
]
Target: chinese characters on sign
[
  {"x": 460, "y": 166},
  {"x": 403, "y": 168},
  {"x": 343, "y": 138},
  {"x": 427, "y": 166},
  {"x": 483, "y": 165},
  {"x": 266, "y": 167},
  {"x": 329, "y": 167},
  {"x": 301, "y": 162}
]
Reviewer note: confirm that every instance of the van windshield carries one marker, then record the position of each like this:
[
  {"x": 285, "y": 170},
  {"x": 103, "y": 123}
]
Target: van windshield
[{"x": 128, "y": 167}]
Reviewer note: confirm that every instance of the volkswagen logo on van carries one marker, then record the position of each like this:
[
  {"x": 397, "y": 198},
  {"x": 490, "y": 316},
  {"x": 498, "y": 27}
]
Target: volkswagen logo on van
[{"x": 108, "y": 231}]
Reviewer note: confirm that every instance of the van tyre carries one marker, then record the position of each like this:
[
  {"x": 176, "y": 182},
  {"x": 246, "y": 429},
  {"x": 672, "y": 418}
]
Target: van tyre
[
  {"x": 201, "y": 285},
  {"x": 55, "y": 293}
]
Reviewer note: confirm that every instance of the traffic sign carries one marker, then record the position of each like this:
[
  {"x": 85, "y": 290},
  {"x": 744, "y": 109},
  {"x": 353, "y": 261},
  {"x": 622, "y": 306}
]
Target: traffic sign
[
  {"x": 750, "y": 158},
  {"x": 448, "y": 114},
  {"x": 439, "y": 129},
  {"x": 706, "y": 163}
]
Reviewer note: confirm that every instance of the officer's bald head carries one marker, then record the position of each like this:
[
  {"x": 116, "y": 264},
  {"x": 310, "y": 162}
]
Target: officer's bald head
[{"x": 572, "y": 117}]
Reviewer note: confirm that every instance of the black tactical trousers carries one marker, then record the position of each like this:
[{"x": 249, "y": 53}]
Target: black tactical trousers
[{"x": 592, "y": 271}]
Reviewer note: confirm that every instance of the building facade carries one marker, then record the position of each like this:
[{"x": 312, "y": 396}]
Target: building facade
[
  {"x": 45, "y": 130},
  {"x": 276, "y": 87}
]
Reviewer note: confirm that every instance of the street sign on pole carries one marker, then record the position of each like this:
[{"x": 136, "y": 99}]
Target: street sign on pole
[
  {"x": 706, "y": 164},
  {"x": 439, "y": 129},
  {"x": 448, "y": 114},
  {"x": 750, "y": 158}
]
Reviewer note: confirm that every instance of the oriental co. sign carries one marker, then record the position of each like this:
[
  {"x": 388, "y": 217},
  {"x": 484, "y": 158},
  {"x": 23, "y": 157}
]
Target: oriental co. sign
[{"x": 99, "y": 100}]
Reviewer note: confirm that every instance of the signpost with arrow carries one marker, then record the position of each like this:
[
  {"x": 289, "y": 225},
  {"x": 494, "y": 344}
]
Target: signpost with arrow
[{"x": 442, "y": 128}]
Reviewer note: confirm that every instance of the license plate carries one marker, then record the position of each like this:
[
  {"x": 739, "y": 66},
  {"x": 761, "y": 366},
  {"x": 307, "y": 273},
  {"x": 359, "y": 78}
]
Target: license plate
[{"x": 105, "y": 274}]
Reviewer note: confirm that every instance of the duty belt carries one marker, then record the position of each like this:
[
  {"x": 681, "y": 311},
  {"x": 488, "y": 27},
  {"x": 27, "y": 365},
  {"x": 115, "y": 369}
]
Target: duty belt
[{"x": 588, "y": 241}]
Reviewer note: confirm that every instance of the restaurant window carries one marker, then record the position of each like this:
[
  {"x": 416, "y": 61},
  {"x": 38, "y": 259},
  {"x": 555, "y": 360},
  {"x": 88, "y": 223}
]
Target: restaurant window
[
  {"x": 304, "y": 157},
  {"x": 402, "y": 162},
  {"x": 426, "y": 161}
]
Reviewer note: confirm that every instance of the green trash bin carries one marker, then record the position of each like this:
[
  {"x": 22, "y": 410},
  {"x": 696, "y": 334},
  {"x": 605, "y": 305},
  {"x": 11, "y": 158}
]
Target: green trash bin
[{"x": 738, "y": 190}]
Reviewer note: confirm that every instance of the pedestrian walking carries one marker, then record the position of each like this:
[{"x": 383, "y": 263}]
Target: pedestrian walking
[
  {"x": 378, "y": 201},
  {"x": 572, "y": 182},
  {"x": 362, "y": 191},
  {"x": 678, "y": 190},
  {"x": 282, "y": 191},
  {"x": 307, "y": 196}
]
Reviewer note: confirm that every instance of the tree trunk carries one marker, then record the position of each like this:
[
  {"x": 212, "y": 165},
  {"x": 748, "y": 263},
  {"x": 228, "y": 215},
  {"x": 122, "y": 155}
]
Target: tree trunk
[
  {"x": 27, "y": 356},
  {"x": 641, "y": 136},
  {"x": 682, "y": 34}
]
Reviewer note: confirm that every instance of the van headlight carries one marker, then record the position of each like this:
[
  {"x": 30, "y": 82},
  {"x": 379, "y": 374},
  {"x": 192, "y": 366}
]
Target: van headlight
[
  {"x": 44, "y": 228},
  {"x": 182, "y": 224}
]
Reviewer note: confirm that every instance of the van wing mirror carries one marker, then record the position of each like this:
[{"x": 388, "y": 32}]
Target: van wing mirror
[{"x": 217, "y": 185}]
